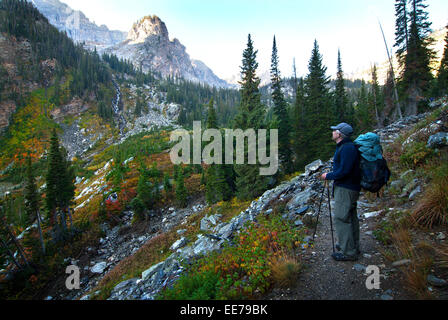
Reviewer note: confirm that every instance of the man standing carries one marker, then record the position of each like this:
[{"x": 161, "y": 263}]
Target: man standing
[{"x": 347, "y": 176}]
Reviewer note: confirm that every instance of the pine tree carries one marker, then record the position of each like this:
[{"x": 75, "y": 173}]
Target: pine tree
[
  {"x": 166, "y": 183},
  {"x": 401, "y": 29},
  {"x": 181, "y": 191},
  {"x": 212, "y": 121},
  {"x": 251, "y": 113},
  {"x": 364, "y": 114},
  {"x": 216, "y": 186},
  {"x": 442, "y": 74},
  {"x": 60, "y": 187},
  {"x": 417, "y": 72},
  {"x": 376, "y": 100},
  {"x": 144, "y": 188},
  {"x": 281, "y": 113},
  {"x": 298, "y": 124},
  {"x": 340, "y": 96},
  {"x": 32, "y": 201},
  {"x": 55, "y": 169},
  {"x": 318, "y": 111}
]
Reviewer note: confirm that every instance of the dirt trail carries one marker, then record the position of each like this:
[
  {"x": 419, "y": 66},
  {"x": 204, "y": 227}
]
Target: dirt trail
[{"x": 326, "y": 279}]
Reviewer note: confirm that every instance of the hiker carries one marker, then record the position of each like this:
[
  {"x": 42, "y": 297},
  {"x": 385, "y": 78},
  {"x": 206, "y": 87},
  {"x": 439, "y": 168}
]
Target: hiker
[{"x": 347, "y": 176}]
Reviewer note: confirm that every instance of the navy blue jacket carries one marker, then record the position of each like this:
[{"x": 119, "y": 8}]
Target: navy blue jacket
[{"x": 346, "y": 172}]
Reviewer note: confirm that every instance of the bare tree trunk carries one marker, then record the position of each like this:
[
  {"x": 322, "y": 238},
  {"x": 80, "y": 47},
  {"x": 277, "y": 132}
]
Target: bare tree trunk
[
  {"x": 16, "y": 243},
  {"x": 398, "y": 109},
  {"x": 39, "y": 227},
  {"x": 378, "y": 123},
  {"x": 412, "y": 105},
  {"x": 10, "y": 254}
]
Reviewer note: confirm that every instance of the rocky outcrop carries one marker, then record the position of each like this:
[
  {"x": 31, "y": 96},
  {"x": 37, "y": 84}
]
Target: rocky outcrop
[
  {"x": 75, "y": 107},
  {"x": 7, "y": 108},
  {"x": 218, "y": 233},
  {"x": 14, "y": 54},
  {"x": 148, "y": 46},
  {"x": 77, "y": 25}
]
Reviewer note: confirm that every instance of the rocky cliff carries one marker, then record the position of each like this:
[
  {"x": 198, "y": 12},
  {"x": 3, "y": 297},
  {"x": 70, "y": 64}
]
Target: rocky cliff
[
  {"x": 77, "y": 25},
  {"x": 15, "y": 54},
  {"x": 148, "y": 47}
]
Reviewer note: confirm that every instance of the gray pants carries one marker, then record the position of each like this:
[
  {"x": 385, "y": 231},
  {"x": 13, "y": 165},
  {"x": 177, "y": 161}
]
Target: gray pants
[{"x": 346, "y": 220}]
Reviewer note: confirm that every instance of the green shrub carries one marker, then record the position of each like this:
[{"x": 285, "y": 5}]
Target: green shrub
[
  {"x": 196, "y": 286},
  {"x": 416, "y": 154}
]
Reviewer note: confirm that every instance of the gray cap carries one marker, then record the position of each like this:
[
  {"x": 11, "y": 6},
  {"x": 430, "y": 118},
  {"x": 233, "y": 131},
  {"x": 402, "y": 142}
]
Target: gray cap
[{"x": 344, "y": 128}]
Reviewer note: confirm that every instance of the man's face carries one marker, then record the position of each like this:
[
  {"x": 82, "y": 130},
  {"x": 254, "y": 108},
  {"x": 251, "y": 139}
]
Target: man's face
[{"x": 336, "y": 135}]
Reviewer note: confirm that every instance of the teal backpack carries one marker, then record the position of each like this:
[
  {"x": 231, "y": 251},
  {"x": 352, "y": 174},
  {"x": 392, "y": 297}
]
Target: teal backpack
[{"x": 374, "y": 170}]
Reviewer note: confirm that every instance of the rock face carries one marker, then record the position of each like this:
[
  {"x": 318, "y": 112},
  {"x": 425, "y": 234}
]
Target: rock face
[
  {"x": 148, "y": 46},
  {"x": 14, "y": 53},
  {"x": 77, "y": 25}
]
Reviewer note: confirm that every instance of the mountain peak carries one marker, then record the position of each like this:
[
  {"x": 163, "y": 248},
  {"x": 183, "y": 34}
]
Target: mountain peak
[{"x": 146, "y": 27}]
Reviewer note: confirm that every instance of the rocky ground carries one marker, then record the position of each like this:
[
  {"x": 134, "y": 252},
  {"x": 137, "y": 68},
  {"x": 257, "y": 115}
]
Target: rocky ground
[
  {"x": 325, "y": 279},
  {"x": 321, "y": 277},
  {"x": 118, "y": 243}
]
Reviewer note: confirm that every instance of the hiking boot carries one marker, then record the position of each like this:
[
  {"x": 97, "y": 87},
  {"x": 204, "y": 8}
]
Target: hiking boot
[
  {"x": 338, "y": 256},
  {"x": 338, "y": 248}
]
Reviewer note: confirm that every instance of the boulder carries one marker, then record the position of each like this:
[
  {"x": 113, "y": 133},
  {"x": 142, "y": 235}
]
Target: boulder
[
  {"x": 151, "y": 271},
  {"x": 436, "y": 282},
  {"x": 300, "y": 199},
  {"x": 208, "y": 222},
  {"x": 438, "y": 140},
  {"x": 414, "y": 193},
  {"x": 204, "y": 245},
  {"x": 99, "y": 267},
  {"x": 372, "y": 214},
  {"x": 179, "y": 244},
  {"x": 397, "y": 184},
  {"x": 313, "y": 167},
  {"x": 225, "y": 231},
  {"x": 410, "y": 186}
]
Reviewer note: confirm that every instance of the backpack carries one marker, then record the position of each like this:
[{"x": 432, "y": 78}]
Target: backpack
[{"x": 374, "y": 170}]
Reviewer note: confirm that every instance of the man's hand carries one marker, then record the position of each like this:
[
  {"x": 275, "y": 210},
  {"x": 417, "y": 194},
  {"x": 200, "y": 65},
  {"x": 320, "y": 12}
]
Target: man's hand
[{"x": 324, "y": 176}]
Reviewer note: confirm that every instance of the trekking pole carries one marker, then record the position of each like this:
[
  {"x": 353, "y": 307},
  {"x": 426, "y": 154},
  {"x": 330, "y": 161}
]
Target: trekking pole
[
  {"x": 331, "y": 220},
  {"x": 318, "y": 212}
]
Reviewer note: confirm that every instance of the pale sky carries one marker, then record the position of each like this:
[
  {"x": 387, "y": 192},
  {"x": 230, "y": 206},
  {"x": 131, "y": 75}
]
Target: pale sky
[{"x": 215, "y": 31}]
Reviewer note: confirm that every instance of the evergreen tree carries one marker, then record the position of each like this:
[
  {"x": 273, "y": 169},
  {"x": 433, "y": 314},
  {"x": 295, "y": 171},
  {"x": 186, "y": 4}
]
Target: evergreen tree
[
  {"x": 401, "y": 29},
  {"x": 249, "y": 183},
  {"x": 216, "y": 186},
  {"x": 364, "y": 115},
  {"x": 376, "y": 99},
  {"x": 417, "y": 72},
  {"x": 442, "y": 74},
  {"x": 281, "y": 113},
  {"x": 181, "y": 191},
  {"x": 32, "y": 202},
  {"x": 340, "y": 96},
  {"x": 212, "y": 121},
  {"x": 145, "y": 188},
  {"x": 298, "y": 124},
  {"x": 139, "y": 208},
  {"x": 318, "y": 111},
  {"x": 60, "y": 187},
  {"x": 166, "y": 183}
]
